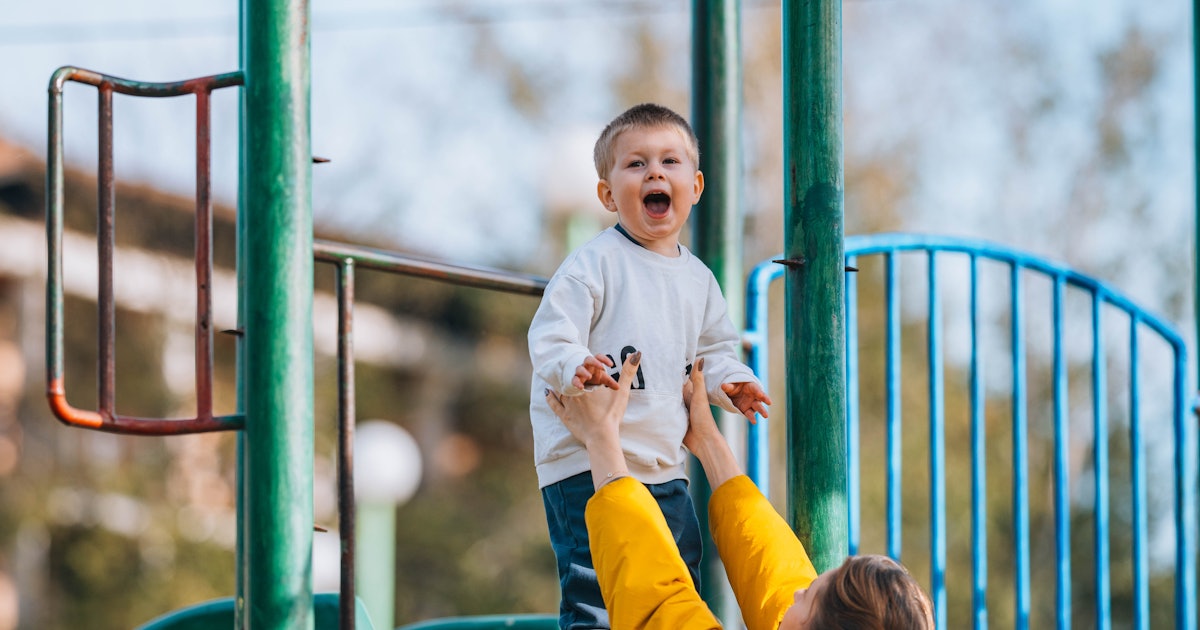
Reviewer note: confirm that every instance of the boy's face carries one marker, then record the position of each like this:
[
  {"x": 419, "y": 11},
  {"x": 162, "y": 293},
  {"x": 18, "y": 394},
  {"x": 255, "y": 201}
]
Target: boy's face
[{"x": 652, "y": 186}]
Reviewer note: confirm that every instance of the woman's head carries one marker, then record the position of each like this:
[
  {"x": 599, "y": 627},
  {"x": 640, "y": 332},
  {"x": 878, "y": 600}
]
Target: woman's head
[{"x": 866, "y": 593}]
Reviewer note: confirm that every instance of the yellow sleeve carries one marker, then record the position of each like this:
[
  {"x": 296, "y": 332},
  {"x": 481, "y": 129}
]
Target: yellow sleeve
[
  {"x": 764, "y": 560},
  {"x": 645, "y": 584}
]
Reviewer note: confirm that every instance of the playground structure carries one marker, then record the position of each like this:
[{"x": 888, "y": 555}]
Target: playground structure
[{"x": 276, "y": 279}]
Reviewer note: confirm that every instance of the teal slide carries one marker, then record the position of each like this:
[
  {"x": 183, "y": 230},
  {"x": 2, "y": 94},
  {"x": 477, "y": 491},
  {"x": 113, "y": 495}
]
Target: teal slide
[{"x": 218, "y": 613}]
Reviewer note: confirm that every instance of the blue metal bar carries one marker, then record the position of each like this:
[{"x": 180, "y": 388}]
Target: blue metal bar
[
  {"x": 978, "y": 464},
  {"x": 1141, "y": 567},
  {"x": 756, "y": 336},
  {"x": 853, "y": 478},
  {"x": 1020, "y": 434},
  {"x": 1100, "y": 468},
  {"x": 894, "y": 497},
  {"x": 1062, "y": 492},
  {"x": 1185, "y": 500},
  {"x": 937, "y": 449}
]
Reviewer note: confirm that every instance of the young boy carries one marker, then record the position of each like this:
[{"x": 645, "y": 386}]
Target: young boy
[{"x": 633, "y": 288}]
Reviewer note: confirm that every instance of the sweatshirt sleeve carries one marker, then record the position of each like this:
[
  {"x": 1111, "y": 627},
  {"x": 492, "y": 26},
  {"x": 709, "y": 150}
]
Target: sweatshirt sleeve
[
  {"x": 643, "y": 579},
  {"x": 558, "y": 334},
  {"x": 764, "y": 560},
  {"x": 718, "y": 345}
]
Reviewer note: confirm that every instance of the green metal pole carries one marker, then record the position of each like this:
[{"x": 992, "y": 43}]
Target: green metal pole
[
  {"x": 717, "y": 220},
  {"x": 239, "y": 552},
  {"x": 815, "y": 287},
  {"x": 278, "y": 380}
]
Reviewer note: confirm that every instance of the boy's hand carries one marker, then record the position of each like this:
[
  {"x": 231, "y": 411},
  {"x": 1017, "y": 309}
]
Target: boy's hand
[
  {"x": 749, "y": 398},
  {"x": 594, "y": 371}
]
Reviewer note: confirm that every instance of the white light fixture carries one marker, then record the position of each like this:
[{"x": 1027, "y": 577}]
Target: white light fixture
[{"x": 387, "y": 463}]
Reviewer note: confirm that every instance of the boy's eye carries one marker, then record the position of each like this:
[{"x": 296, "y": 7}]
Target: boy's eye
[
  {"x": 636, "y": 163},
  {"x": 671, "y": 160}
]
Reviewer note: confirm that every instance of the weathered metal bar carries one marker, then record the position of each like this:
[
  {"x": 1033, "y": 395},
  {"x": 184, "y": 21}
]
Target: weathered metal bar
[
  {"x": 278, "y": 376},
  {"x": 813, "y": 232},
  {"x": 105, "y": 245},
  {"x": 464, "y": 275},
  {"x": 203, "y": 255},
  {"x": 143, "y": 88},
  {"x": 346, "y": 423},
  {"x": 105, "y": 417},
  {"x": 55, "y": 388}
]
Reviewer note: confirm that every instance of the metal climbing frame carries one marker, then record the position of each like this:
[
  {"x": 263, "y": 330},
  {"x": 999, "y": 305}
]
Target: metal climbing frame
[
  {"x": 1103, "y": 298},
  {"x": 105, "y": 418}
]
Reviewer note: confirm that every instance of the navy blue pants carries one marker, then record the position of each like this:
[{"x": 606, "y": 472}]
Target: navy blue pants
[{"x": 582, "y": 607}]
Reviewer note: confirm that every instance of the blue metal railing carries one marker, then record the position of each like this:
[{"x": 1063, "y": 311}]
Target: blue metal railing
[{"x": 890, "y": 247}]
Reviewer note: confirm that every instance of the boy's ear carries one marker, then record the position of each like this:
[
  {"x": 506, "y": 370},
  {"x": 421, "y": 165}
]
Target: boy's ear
[
  {"x": 605, "y": 193},
  {"x": 698, "y": 187}
]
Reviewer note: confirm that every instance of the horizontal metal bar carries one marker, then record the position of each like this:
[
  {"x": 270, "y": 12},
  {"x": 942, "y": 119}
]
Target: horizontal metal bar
[
  {"x": 142, "y": 88},
  {"x": 464, "y": 275},
  {"x": 130, "y": 425},
  {"x": 865, "y": 244}
]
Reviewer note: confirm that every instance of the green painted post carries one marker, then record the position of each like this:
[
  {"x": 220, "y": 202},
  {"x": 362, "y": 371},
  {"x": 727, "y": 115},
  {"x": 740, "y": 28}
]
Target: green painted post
[
  {"x": 815, "y": 287},
  {"x": 278, "y": 273},
  {"x": 239, "y": 551},
  {"x": 717, "y": 220}
]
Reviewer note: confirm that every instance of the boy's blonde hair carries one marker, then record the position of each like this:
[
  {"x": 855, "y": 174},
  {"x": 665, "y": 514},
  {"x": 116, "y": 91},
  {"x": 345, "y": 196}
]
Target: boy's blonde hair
[
  {"x": 872, "y": 593},
  {"x": 644, "y": 116}
]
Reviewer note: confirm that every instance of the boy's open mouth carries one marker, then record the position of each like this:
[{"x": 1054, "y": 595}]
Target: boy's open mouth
[{"x": 657, "y": 204}]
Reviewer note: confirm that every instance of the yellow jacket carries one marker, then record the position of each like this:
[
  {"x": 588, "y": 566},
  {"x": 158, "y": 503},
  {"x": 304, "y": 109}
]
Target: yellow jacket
[{"x": 645, "y": 582}]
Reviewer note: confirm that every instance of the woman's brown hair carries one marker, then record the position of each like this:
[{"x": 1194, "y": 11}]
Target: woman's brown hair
[{"x": 871, "y": 593}]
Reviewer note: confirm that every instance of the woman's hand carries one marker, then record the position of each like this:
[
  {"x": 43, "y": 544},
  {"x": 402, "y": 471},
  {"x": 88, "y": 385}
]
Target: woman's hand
[
  {"x": 703, "y": 437},
  {"x": 701, "y": 424},
  {"x": 594, "y": 418}
]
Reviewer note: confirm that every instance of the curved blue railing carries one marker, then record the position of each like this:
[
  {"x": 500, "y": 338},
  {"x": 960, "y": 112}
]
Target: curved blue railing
[{"x": 890, "y": 247}]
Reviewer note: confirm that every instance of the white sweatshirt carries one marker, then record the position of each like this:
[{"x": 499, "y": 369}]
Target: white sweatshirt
[{"x": 614, "y": 297}]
